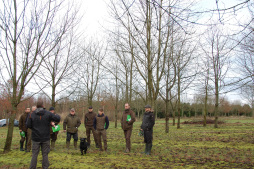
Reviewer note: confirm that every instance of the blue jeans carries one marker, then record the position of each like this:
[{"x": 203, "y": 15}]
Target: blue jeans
[{"x": 45, "y": 149}]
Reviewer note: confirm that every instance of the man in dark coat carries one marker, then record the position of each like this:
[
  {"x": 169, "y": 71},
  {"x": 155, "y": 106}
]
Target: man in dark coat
[
  {"x": 23, "y": 128},
  {"x": 147, "y": 127},
  {"x": 53, "y": 135},
  {"x": 89, "y": 118},
  {"x": 101, "y": 124},
  {"x": 127, "y": 121},
  {"x": 39, "y": 122},
  {"x": 72, "y": 121}
]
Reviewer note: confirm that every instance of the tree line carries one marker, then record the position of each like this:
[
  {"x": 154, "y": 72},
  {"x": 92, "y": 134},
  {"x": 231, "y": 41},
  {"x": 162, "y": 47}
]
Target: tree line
[{"x": 153, "y": 52}]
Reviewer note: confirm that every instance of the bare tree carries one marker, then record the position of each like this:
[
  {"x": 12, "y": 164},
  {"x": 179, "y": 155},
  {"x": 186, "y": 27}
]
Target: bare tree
[
  {"x": 29, "y": 32},
  {"x": 218, "y": 55},
  {"x": 89, "y": 68},
  {"x": 57, "y": 70}
]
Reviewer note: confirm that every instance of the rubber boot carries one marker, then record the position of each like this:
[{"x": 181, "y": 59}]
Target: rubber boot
[
  {"x": 26, "y": 146},
  {"x": 67, "y": 144},
  {"x": 145, "y": 150},
  {"x": 76, "y": 145},
  {"x": 52, "y": 146},
  {"x": 21, "y": 146},
  {"x": 149, "y": 148}
]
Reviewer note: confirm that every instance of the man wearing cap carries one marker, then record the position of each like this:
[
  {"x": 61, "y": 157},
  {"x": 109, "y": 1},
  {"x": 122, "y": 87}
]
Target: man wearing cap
[
  {"x": 72, "y": 121},
  {"x": 147, "y": 128},
  {"x": 53, "y": 135},
  {"x": 127, "y": 121},
  {"x": 88, "y": 121}
]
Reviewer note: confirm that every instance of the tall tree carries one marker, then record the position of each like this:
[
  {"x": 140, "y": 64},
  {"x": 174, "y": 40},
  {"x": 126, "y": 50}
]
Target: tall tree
[{"x": 29, "y": 32}]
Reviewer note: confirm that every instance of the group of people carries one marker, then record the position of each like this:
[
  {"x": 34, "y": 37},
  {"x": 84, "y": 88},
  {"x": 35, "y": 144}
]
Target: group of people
[{"x": 38, "y": 124}]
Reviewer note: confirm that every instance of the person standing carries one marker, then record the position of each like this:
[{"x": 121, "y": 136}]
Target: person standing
[
  {"x": 89, "y": 118},
  {"x": 23, "y": 128},
  {"x": 29, "y": 132},
  {"x": 39, "y": 122},
  {"x": 53, "y": 135},
  {"x": 72, "y": 121},
  {"x": 147, "y": 127},
  {"x": 127, "y": 121},
  {"x": 101, "y": 124}
]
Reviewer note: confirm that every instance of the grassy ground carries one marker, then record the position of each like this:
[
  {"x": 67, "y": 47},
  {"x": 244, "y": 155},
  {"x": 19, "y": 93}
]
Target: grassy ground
[{"x": 192, "y": 146}]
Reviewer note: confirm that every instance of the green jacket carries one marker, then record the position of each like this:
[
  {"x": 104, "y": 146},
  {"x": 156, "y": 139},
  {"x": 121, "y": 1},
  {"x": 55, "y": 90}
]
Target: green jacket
[{"x": 72, "y": 122}]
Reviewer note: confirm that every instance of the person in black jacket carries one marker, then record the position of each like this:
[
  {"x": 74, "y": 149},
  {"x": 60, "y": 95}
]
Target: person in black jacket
[
  {"x": 147, "y": 128},
  {"x": 39, "y": 122}
]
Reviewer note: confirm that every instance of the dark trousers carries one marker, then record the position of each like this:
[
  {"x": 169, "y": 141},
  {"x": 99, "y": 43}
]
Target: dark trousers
[
  {"x": 45, "y": 149},
  {"x": 102, "y": 133},
  {"x": 53, "y": 136},
  {"x": 27, "y": 138},
  {"x": 88, "y": 132},
  {"x": 148, "y": 136},
  {"x": 74, "y": 135},
  {"x": 127, "y": 135}
]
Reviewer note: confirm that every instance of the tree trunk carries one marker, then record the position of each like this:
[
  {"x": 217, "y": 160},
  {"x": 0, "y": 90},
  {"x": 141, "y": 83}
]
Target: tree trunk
[
  {"x": 167, "y": 117},
  {"x": 9, "y": 137},
  {"x": 216, "y": 110}
]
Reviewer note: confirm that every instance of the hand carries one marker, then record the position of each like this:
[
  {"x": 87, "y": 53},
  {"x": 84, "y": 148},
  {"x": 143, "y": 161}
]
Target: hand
[
  {"x": 53, "y": 124},
  {"x": 20, "y": 130},
  {"x": 64, "y": 131}
]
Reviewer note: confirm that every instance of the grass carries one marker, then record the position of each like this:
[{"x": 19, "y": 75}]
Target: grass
[{"x": 192, "y": 146}]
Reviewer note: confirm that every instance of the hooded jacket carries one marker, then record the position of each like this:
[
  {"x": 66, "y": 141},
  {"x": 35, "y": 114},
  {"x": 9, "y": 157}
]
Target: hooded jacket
[
  {"x": 39, "y": 122},
  {"x": 72, "y": 122}
]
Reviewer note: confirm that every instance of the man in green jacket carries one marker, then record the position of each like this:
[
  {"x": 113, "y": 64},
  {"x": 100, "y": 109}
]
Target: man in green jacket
[
  {"x": 127, "y": 121},
  {"x": 72, "y": 121}
]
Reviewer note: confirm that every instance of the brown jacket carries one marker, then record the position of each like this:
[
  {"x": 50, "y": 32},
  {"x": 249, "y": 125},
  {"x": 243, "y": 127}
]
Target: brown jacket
[
  {"x": 127, "y": 125},
  {"x": 51, "y": 131},
  {"x": 22, "y": 122},
  {"x": 72, "y": 122},
  {"x": 89, "y": 118}
]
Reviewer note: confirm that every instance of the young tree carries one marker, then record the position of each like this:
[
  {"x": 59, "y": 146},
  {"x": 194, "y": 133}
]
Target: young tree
[{"x": 29, "y": 32}]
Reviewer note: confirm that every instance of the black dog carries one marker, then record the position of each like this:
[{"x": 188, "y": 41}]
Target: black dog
[{"x": 83, "y": 146}]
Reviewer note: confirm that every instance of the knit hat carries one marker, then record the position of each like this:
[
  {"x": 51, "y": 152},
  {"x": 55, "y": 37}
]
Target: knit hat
[
  {"x": 148, "y": 106},
  {"x": 51, "y": 108}
]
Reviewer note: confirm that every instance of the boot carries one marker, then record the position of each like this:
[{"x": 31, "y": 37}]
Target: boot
[
  {"x": 26, "y": 146},
  {"x": 149, "y": 148},
  {"x": 52, "y": 146},
  {"x": 67, "y": 144},
  {"x": 21, "y": 146},
  {"x": 76, "y": 145},
  {"x": 145, "y": 149}
]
